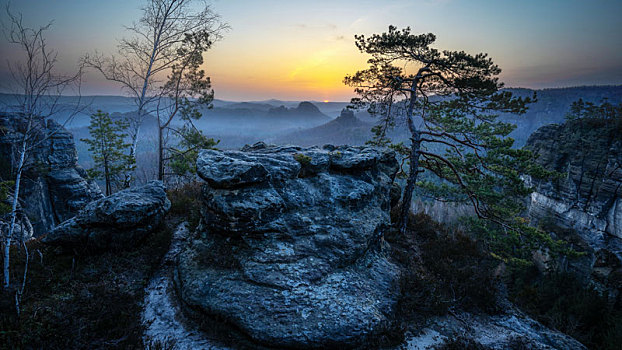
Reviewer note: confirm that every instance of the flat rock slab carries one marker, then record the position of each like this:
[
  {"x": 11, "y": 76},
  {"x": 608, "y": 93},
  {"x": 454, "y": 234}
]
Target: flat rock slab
[
  {"x": 117, "y": 221},
  {"x": 290, "y": 252},
  {"x": 513, "y": 330}
]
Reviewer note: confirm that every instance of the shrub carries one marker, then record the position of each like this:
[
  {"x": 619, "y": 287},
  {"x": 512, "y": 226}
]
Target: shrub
[
  {"x": 81, "y": 302},
  {"x": 563, "y": 302},
  {"x": 441, "y": 270},
  {"x": 303, "y": 159},
  {"x": 186, "y": 202}
]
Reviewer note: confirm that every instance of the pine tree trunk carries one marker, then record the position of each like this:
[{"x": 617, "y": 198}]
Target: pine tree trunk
[
  {"x": 107, "y": 178},
  {"x": 410, "y": 183},
  {"x": 414, "y": 160}
]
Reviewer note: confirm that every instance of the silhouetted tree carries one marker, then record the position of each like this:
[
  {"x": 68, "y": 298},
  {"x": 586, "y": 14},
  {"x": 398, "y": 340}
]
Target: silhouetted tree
[
  {"x": 605, "y": 110},
  {"x": 155, "y": 49},
  {"x": 449, "y": 101}
]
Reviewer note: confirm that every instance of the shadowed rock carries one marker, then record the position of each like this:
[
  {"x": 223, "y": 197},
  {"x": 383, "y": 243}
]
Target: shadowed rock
[
  {"x": 291, "y": 250},
  {"x": 117, "y": 221},
  {"x": 584, "y": 205},
  {"x": 54, "y": 187}
]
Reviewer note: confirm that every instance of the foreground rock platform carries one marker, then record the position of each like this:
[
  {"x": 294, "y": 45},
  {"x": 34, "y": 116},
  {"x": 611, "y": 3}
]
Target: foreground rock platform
[
  {"x": 290, "y": 252},
  {"x": 118, "y": 221}
]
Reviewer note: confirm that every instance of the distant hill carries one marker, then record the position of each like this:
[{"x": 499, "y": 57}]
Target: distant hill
[
  {"x": 260, "y": 120},
  {"x": 552, "y": 106},
  {"x": 345, "y": 129},
  {"x": 237, "y": 123},
  {"x": 305, "y": 114}
]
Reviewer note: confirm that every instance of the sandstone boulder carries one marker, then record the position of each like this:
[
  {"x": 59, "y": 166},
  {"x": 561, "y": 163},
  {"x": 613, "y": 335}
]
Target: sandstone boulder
[
  {"x": 290, "y": 251},
  {"x": 117, "y": 221}
]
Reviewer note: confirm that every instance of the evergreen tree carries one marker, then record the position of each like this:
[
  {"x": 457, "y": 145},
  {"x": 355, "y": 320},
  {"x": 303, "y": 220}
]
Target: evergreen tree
[
  {"x": 187, "y": 90},
  {"x": 588, "y": 110},
  {"x": 459, "y": 150},
  {"x": 108, "y": 147},
  {"x": 183, "y": 158}
]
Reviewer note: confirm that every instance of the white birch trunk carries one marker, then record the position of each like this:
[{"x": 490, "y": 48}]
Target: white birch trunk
[{"x": 7, "y": 241}]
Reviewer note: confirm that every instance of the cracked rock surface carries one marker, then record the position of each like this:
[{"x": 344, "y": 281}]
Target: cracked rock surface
[
  {"x": 118, "y": 221},
  {"x": 290, "y": 251}
]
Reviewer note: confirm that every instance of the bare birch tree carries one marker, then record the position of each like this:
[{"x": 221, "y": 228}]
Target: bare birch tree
[
  {"x": 154, "y": 47},
  {"x": 38, "y": 89}
]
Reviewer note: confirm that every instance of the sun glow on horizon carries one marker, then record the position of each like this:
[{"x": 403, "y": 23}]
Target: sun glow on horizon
[{"x": 298, "y": 51}]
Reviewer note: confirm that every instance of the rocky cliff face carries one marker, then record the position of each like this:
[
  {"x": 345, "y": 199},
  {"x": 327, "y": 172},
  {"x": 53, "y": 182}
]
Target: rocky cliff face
[
  {"x": 54, "y": 187},
  {"x": 291, "y": 250},
  {"x": 588, "y": 196},
  {"x": 586, "y": 201}
]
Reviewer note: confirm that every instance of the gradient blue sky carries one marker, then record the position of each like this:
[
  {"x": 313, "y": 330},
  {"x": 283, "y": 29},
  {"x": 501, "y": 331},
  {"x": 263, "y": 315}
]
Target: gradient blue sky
[{"x": 297, "y": 50}]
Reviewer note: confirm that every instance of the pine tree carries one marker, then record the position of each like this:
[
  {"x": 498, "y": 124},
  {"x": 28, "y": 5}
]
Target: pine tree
[
  {"x": 183, "y": 158},
  {"x": 459, "y": 151},
  {"x": 108, "y": 147},
  {"x": 187, "y": 89}
]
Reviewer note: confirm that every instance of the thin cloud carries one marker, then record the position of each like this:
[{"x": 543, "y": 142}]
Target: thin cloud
[{"x": 316, "y": 26}]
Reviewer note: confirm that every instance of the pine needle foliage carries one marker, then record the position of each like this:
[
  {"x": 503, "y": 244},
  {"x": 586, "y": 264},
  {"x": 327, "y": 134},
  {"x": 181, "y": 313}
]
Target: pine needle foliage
[
  {"x": 459, "y": 150},
  {"x": 108, "y": 148}
]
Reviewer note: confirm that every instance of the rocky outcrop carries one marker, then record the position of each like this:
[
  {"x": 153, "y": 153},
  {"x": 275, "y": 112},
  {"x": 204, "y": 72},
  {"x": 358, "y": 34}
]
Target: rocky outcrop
[
  {"x": 511, "y": 330},
  {"x": 118, "y": 221},
  {"x": 588, "y": 196},
  {"x": 290, "y": 251},
  {"x": 584, "y": 205},
  {"x": 53, "y": 186}
]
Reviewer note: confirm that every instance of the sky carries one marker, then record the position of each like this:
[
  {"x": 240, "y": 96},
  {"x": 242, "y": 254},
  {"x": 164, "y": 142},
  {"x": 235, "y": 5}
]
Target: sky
[{"x": 301, "y": 50}]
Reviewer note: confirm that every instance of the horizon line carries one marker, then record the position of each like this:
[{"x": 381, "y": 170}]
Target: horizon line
[{"x": 336, "y": 101}]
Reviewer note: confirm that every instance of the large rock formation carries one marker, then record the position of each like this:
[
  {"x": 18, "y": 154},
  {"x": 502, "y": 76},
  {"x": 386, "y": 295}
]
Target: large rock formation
[
  {"x": 118, "y": 221},
  {"x": 588, "y": 196},
  {"x": 53, "y": 186},
  {"x": 291, "y": 250},
  {"x": 584, "y": 205}
]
